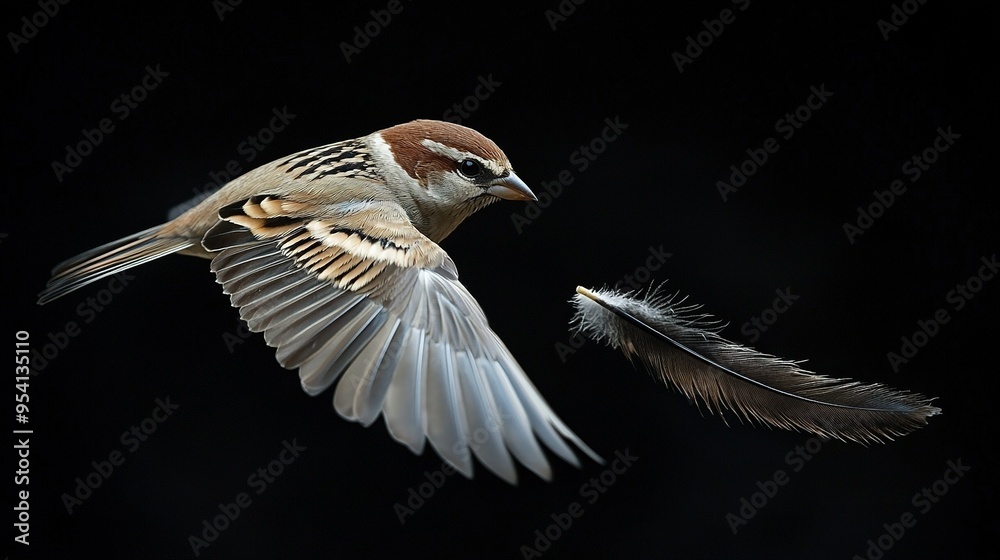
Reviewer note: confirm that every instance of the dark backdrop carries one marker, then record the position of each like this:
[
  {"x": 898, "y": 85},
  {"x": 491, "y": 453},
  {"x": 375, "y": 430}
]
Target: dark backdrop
[{"x": 171, "y": 334}]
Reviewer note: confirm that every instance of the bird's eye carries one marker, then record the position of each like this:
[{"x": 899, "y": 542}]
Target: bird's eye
[{"x": 470, "y": 168}]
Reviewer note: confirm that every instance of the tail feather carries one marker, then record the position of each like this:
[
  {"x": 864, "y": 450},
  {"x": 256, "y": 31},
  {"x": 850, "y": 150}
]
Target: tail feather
[{"x": 110, "y": 258}]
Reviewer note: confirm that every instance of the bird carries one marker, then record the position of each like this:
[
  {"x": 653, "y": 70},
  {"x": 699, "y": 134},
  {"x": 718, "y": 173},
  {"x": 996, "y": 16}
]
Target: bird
[{"x": 333, "y": 254}]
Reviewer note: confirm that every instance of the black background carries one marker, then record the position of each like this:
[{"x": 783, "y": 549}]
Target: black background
[{"x": 653, "y": 187}]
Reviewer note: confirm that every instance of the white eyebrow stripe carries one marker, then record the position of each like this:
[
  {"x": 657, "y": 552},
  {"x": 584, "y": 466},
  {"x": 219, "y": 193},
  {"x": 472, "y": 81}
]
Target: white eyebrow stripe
[{"x": 459, "y": 155}]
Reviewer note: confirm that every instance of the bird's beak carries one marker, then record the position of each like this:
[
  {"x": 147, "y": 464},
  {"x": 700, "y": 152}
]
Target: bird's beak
[{"x": 511, "y": 188}]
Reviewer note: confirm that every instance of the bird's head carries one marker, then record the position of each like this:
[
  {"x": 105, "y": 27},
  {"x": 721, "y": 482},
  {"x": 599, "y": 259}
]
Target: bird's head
[{"x": 448, "y": 171}]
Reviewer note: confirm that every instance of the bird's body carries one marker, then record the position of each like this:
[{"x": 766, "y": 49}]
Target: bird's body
[{"x": 333, "y": 253}]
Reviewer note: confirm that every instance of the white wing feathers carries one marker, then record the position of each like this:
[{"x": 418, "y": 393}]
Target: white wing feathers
[{"x": 389, "y": 319}]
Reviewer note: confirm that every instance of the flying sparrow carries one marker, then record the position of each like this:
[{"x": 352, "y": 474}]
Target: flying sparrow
[{"x": 333, "y": 254}]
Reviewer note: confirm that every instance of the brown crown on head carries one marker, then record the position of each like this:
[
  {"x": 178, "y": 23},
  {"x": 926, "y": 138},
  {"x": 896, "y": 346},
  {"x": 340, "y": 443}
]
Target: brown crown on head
[{"x": 418, "y": 161}]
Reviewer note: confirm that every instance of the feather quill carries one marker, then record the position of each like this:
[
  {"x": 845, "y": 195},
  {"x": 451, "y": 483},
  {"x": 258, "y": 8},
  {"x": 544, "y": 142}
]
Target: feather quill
[{"x": 683, "y": 348}]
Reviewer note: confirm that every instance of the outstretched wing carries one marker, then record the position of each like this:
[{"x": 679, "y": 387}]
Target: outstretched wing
[{"x": 352, "y": 291}]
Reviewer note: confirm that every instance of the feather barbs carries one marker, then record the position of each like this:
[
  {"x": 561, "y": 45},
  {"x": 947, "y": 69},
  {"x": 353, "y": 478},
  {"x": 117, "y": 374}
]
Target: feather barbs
[{"x": 685, "y": 351}]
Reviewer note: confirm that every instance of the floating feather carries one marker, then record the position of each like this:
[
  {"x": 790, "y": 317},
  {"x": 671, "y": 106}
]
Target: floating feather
[{"x": 683, "y": 348}]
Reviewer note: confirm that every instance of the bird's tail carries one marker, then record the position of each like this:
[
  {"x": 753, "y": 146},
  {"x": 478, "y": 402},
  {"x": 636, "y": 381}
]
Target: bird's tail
[{"x": 109, "y": 259}]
